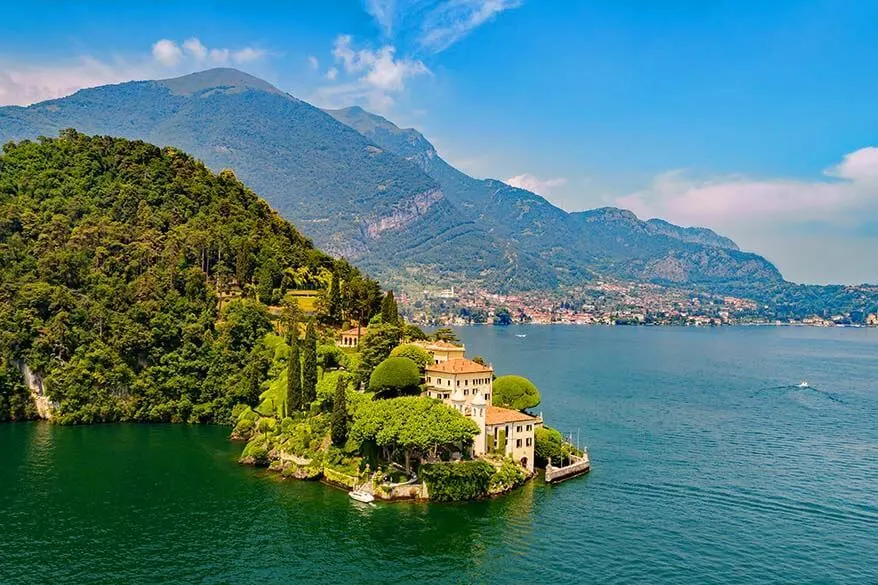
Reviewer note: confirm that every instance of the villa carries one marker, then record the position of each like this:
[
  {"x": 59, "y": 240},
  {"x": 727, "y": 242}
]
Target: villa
[
  {"x": 351, "y": 337},
  {"x": 467, "y": 387}
]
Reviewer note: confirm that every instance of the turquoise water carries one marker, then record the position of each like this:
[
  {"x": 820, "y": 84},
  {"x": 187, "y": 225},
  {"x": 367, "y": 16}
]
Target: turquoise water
[{"x": 710, "y": 466}]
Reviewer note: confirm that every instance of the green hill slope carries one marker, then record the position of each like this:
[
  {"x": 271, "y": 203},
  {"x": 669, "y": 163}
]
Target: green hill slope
[{"x": 112, "y": 255}]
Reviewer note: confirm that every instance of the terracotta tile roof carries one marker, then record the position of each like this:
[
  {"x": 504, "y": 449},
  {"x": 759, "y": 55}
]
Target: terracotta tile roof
[
  {"x": 443, "y": 345},
  {"x": 353, "y": 331},
  {"x": 458, "y": 366},
  {"x": 496, "y": 415}
]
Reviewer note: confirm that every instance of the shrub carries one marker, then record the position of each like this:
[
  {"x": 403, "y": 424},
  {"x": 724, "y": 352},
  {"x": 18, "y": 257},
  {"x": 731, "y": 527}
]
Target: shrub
[
  {"x": 508, "y": 476},
  {"x": 515, "y": 392},
  {"x": 395, "y": 376},
  {"x": 455, "y": 482},
  {"x": 331, "y": 357},
  {"x": 416, "y": 353},
  {"x": 549, "y": 443}
]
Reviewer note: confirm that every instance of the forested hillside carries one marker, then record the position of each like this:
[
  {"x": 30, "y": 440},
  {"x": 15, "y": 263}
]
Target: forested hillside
[
  {"x": 352, "y": 198},
  {"x": 113, "y": 257}
]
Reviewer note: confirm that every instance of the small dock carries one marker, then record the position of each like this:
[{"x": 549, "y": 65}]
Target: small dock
[{"x": 577, "y": 466}]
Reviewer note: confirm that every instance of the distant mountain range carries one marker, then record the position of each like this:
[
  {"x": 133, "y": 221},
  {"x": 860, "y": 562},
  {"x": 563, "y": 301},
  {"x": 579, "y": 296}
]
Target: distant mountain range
[{"x": 382, "y": 197}]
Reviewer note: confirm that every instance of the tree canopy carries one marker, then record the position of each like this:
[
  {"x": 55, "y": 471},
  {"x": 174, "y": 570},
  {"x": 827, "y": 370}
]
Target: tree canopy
[
  {"x": 375, "y": 347},
  {"x": 515, "y": 392},
  {"x": 395, "y": 376},
  {"x": 414, "y": 424},
  {"x": 121, "y": 263},
  {"x": 416, "y": 353}
]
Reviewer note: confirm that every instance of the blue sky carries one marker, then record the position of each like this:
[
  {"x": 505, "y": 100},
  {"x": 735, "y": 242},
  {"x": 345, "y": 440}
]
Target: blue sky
[{"x": 757, "y": 119}]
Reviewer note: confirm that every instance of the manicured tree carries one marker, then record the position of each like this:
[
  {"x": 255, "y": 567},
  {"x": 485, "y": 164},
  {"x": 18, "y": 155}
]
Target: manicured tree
[
  {"x": 416, "y": 353},
  {"x": 309, "y": 366},
  {"x": 395, "y": 376},
  {"x": 294, "y": 376},
  {"x": 335, "y": 299},
  {"x": 339, "y": 427},
  {"x": 515, "y": 392}
]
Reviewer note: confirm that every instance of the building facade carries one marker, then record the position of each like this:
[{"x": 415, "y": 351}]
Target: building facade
[
  {"x": 467, "y": 386},
  {"x": 442, "y": 351}
]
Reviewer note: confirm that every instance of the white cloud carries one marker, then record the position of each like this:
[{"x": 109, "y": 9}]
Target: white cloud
[
  {"x": 314, "y": 62},
  {"x": 194, "y": 47},
  {"x": 531, "y": 183},
  {"x": 731, "y": 202},
  {"x": 452, "y": 20},
  {"x": 372, "y": 76},
  {"x": 167, "y": 52},
  {"x": 220, "y": 56},
  {"x": 383, "y": 11},
  {"x": 22, "y": 83},
  {"x": 247, "y": 55}
]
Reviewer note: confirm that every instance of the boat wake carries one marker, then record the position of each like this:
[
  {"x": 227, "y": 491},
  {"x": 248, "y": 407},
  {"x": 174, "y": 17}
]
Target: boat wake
[{"x": 801, "y": 390}]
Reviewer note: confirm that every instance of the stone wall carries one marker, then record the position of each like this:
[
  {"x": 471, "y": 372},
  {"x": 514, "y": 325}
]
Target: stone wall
[{"x": 579, "y": 466}]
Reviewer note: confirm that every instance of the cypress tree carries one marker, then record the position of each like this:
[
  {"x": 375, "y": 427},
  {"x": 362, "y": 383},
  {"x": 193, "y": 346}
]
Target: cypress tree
[
  {"x": 309, "y": 366},
  {"x": 294, "y": 375},
  {"x": 389, "y": 310},
  {"x": 340, "y": 413},
  {"x": 335, "y": 299}
]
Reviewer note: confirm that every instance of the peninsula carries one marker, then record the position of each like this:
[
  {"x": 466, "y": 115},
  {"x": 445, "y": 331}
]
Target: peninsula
[{"x": 141, "y": 287}]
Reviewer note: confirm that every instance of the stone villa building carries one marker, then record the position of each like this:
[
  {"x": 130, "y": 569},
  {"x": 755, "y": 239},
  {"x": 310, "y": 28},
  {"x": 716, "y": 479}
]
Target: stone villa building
[
  {"x": 352, "y": 337},
  {"x": 467, "y": 386}
]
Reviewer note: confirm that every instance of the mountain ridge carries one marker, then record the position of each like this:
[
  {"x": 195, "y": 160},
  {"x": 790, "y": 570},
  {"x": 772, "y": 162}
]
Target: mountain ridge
[{"x": 381, "y": 196}]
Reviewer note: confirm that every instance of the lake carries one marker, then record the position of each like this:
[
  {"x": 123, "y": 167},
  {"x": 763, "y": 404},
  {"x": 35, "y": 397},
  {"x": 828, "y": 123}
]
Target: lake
[{"x": 710, "y": 465}]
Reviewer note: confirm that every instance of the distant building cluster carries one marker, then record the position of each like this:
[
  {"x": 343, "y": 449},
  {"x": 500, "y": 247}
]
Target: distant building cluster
[{"x": 609, "y": 303}]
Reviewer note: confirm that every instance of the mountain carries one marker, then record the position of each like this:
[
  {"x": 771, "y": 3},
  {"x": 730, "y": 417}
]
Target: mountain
[
  {"x": 607, "y": 241},
  {"x": 356, "y": 200},
  {"x": 121, "y": 264},
  {"x": 376, "y": 194}
]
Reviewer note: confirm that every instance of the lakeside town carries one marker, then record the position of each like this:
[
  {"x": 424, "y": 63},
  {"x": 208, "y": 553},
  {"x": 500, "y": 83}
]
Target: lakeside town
[{"x": 613, "y": 303}]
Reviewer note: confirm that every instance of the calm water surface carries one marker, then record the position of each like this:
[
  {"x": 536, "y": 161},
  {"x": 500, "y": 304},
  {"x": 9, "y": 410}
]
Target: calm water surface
[{"x": 710, "y": 466}]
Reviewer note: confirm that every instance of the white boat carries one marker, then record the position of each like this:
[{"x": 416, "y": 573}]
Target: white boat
[
  {"x": 362, "y": 496},
  {"x": 521, "y": 334},
  {"x": 804, "y": 384}
]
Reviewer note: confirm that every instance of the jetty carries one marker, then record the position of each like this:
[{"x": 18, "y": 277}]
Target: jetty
[{"x": 576, "y": 466}]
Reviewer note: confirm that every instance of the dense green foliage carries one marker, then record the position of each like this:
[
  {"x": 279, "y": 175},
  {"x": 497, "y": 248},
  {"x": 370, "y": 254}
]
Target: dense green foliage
[
  {"x": 340, "y": 413},
  {"x": 335, "y": 302},
  {"x": 515, "y": 392},
  {"x": 395, "y": 376},
  {"x": 548, "y": 443},
  {"x": 455, "y": 482},
  {"x": 506, "y": 477},
  {"x": 15, "y": 402},
  {"x": 309, "y": 365},
  {"x": 416, "y": 353},
  {"x": 413, "y": 425},
  {"x": 375, "y": 347},
  {"x": 112, "y": 254},
  {"x": 389, "y": 309},
  {"x": 294, "y": 376},
  {"x": 502, "y": 316}
]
